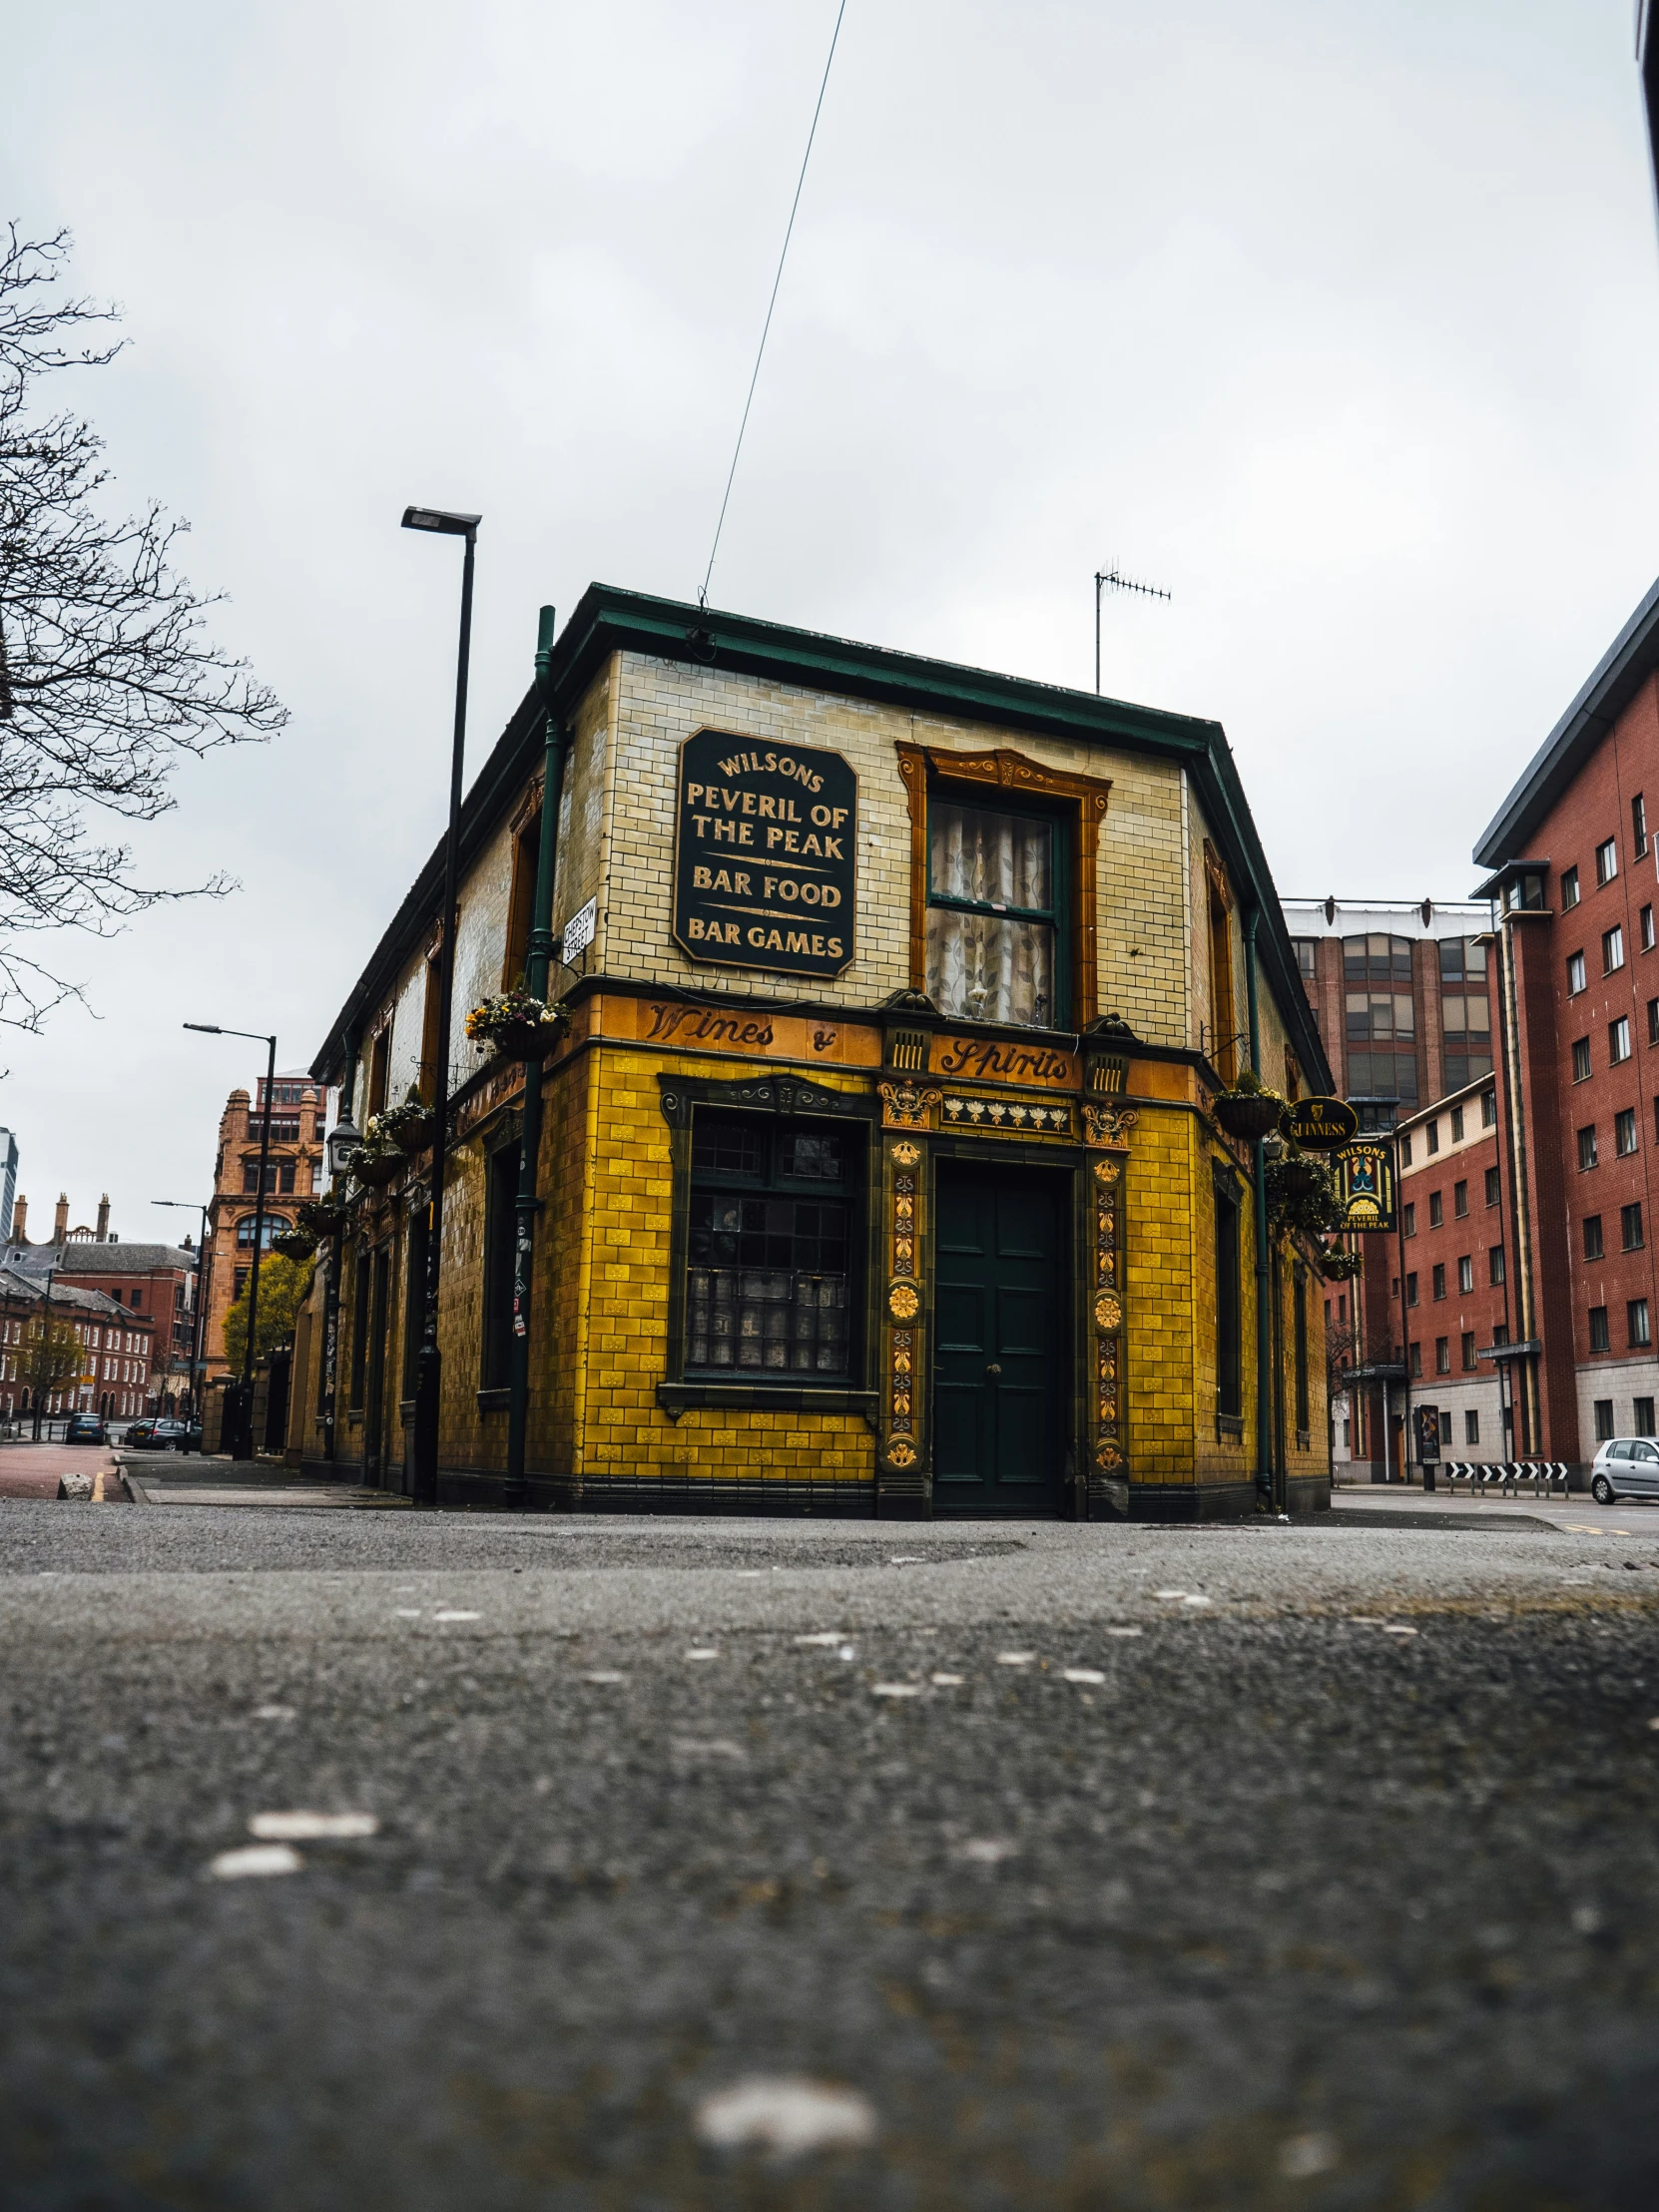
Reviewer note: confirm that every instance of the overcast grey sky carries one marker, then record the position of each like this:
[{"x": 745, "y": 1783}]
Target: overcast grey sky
[{"x": 1339, "y": 320}]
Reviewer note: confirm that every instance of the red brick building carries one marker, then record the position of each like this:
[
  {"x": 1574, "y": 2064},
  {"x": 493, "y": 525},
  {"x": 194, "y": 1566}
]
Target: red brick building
[
  {"x": 154, "y": 1284},
  {"x": 1576, "y": 965},
  {"x": 298, "y": 1124}
]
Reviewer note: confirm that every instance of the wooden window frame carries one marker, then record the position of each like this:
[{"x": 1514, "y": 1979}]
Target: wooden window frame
[
  {"x": 521, "y": 895},
  {"x": 1014, "y": 775}
]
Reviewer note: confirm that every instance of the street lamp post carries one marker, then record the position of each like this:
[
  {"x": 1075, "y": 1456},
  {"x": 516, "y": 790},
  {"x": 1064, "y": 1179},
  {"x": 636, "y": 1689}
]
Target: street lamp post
[
  {"x": 241, "y": 1443},
  {"x": 183, "y": 1205},
  {"x": 429, "y": 1364}
]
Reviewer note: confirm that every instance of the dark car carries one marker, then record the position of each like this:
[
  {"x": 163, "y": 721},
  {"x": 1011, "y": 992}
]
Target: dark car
[
  {"x": 141, "y": 1434},
  {"x": 163, "y": 1434},
  {"x": 84, "y": 1429}
]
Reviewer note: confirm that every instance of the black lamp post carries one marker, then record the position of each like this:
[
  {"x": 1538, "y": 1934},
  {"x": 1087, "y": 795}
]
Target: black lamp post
[
  {"x": 429, "y": 1365},
  {"x": 242, "y": 1439},
  {"x": 181, "y": 1205}
]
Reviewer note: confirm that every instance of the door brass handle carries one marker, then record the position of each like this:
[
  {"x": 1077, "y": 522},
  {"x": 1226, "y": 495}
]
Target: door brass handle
[{"x": 993, "y": 1369}]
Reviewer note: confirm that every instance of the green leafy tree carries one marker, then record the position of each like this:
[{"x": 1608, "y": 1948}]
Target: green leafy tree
[
  {"x": 53, "y": 1357},
  {"x": 283, "y": 1287}
]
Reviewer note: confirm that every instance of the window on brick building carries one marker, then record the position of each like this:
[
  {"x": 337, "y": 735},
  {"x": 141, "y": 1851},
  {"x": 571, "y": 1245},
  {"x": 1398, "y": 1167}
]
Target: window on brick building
[
  {"x": 1644, "y": 923},
  {"x": 1624, "y": 1131},
  {"x": 1439, "y": 1278},
  {"x": 1575, "y": 973},
  {"x": 1431, "y": 1136},
  {"x": 1494, "y": 1265},
  {"x": 1638, "y": 827},
  {"x": 1603, "y": 1411},
  {"x": 1641, "y": 1416},
  {"x": 1488, "y": 1109},
  {"x": 1436, "y": 1211},
  {"x": 1581, "y": 1059},
  {"x": 273, "y": 1225},
  {"x": 1415, "y": 1362},
  {"x": 1465, "y": 1016},
  {"x": 1460, "y": 1198},
  {"x": 379, "y": 1059},
  {"x": 1469, "y": 1362},
  {"x": 1592, "y": 1237},
  {"x": 1405, "y": 1146},
  {"x": 1465, "y": 1271},
  {"x": 1409, "y": 1218},
  {"x": 1410, "y": 1290},
  {"x": 1307, "y": 949},
  {"x": 1637, "y": 1331},
  {"x": 1599, "y": 1340},
  {"x": 766, "y": 1280},
  {"x": 1380, "y": 1017},
  {"x": 1607, "y": 861},
  {"x": 1618, "y": 1040},
  {"x": 1442, "y": 1355},
  {"x": 1630, "y": 1227},
  {"x": 1471, "y": 1427},
  {"x": 1653, "y": 1021},
  {"x": 1612, "y": 950},
  {"x": 1457, "y": 1125},
  {"x": 1587, "y": 1147},
  {"x": 500, "y": 1204},
  {"x": 1569, "y": 889}
]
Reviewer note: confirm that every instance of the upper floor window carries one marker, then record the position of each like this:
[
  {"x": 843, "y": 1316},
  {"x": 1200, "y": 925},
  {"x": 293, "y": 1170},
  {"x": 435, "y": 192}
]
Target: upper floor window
[
  {"x": 1569, "y": 887},
  {"x": 1492, "y": 1187},
  {"x": 1612, "y": 950},
  {"x": 1432, "y": 1132},
  {"x": 1460, "y": 1198},
  {"x": 1488, "y": 1109},
  {"x": 1437, "y": 1210},
  {"x": 1575, "y": 973},
  {"x": 996, "y": 946},
  {"x": 273, "y": 1225},
  {"x": 1457, "y": 1125},
  {"x": 1306, "y": 951},
  {"x": 1381, "y": 1021},
  {"x": 1409, "y": 1218},
  {"x": 1581, "y": 1059},
  {"x": 1607, "y": 861},
  {"x": 1644, "y": 923},
  {"x": 1638, "y": 827},
  {"x": 1618, "y": 1040}
]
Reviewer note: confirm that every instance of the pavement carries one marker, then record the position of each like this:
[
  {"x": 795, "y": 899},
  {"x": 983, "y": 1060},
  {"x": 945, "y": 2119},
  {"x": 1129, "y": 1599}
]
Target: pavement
[
  {"x": 469, "y": 1861},
  {"x": 35, "y": 1470}
]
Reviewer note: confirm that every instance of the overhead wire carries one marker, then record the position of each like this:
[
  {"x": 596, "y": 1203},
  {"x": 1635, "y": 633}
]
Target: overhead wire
[{"x": 789, "y": 233}]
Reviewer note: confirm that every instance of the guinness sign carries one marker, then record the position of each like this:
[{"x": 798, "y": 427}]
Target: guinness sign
[
  {"x": 1320, "y": 1124},
  {"x": 766, "y": 851}
]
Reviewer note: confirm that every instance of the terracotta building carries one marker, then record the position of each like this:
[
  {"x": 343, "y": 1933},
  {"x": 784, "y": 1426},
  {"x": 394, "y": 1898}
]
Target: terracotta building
[
  {"x": 879, "y": 1170},
  {"x": 298, "y": 1124},
  {"x": 1572, "y": 875}
]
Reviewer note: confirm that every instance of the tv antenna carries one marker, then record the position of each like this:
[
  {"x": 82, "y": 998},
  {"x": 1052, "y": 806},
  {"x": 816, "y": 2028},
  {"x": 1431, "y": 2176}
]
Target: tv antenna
[{"x": 1112, "y": 579}]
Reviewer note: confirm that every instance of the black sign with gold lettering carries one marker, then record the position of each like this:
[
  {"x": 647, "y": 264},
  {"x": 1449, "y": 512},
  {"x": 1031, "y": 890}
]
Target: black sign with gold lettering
[
  {"x": 1320, "y": 1124},
  {"x": 764, "y": 854}
]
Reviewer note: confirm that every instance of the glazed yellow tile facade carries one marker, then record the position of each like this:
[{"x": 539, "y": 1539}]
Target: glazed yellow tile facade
[{"x": 990, "y": 1175}]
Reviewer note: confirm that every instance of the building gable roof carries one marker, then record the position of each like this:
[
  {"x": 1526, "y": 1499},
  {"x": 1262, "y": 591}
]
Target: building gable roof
[
  {"x": 608, "y": 620},
  {"x": 1617, "y": 676}
]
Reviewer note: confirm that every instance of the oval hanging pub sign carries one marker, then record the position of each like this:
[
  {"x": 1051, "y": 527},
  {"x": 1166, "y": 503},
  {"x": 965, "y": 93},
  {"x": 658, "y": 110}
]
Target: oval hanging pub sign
[
  {"x": 765, "y": 842},
  {"x": 1320, "y": 1124}
]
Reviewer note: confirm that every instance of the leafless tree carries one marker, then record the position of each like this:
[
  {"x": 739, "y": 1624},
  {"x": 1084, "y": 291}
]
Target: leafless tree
[{"x": 107, "y": 674}]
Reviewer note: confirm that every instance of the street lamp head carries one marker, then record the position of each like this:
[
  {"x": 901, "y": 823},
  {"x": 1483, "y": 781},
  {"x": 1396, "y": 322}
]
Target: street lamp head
[
  {"x": 344, "y": 1140},
  {"x": 440, "y": 519},
  {"x": 208, "y": 1028}
]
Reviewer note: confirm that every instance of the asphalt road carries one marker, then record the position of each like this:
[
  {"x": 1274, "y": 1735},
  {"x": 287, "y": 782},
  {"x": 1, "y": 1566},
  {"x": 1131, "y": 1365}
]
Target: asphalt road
[{"x": 1264, "y": 1903}]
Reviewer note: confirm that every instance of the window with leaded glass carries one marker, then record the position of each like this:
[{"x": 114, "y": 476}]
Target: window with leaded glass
[
  {"x": 997, "y": 945},
  {"x": 768, "y": 1268}
]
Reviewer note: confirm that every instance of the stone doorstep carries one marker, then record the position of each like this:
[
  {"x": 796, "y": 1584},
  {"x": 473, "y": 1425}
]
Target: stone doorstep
[{"x": 327, "y": 1495}]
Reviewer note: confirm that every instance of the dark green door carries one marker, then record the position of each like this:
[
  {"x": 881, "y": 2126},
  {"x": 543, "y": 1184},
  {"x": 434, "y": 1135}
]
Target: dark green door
[{"x": 1000, "y": 1363}]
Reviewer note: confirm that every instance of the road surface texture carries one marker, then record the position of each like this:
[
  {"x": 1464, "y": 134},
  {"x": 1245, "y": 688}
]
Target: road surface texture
[{"x": 706, "y": 1863}]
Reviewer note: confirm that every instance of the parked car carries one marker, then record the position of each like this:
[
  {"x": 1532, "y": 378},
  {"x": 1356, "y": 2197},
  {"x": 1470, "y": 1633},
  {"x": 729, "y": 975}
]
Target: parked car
[
  {"x": 1625, "y": 1466},
  {"x": 163, "y": 1434},
  {"x": 84, "y": 1429}
]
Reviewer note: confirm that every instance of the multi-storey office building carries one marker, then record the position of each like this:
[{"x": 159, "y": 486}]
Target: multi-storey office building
[
  {"x": 1399, "y": 993},
  {"x": 1574, "y": 878},
  {"x": 879, "y": 1170}
]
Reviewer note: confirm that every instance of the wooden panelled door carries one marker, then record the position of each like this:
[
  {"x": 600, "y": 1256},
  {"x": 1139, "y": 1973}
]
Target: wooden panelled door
[{"x": 1001, "y": 1361}]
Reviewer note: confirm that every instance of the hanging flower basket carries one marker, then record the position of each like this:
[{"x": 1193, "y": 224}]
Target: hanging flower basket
[
  {"x": 1340, "y": 1267},
  {"x": 411, "y": 1126},
  {"x": 323, "y": 1217},
  {"x": 1248, "y": 1110},
  {"x": 1299, "y": 1179},
  {"x": 517, "y": 1026},
  {"x": 293, "y": 1243},
  {"x": 377, "y": 1166}
]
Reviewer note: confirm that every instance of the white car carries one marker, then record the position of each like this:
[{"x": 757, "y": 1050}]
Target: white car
[{"x": 1625, "y": 1466}]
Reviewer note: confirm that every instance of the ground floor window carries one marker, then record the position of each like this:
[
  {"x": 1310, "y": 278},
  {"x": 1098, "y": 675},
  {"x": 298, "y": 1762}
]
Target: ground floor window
[
  {"x": 500, "y": 1230},
  {"x": 1471, "y": 1427},
  {"x": 1642, "y": 1417},
  {"x": 1605, "y": 1418},
  {"x": 1229, "y": 1345},
  {"x": 767, "y": 1281}
]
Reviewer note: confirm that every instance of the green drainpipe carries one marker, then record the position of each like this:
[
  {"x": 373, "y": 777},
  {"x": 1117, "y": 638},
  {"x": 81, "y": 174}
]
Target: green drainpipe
[
  {"x": 1264, "y": 1337},
  {"x": 536, "y": 967}
]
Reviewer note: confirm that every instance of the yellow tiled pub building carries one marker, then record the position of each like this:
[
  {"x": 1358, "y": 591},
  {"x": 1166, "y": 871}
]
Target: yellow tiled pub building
[{"x": 879, "y": 1171}]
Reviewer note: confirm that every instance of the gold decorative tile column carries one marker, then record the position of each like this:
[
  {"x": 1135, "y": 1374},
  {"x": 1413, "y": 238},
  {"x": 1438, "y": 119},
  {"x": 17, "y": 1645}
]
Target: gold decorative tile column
[{"x": 1106, "y": 1134}]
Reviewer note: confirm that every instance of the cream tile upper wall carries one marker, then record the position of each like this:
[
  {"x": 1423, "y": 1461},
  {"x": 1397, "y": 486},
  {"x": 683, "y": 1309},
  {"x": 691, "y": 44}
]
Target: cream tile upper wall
[
  {"x": 1144, "y": 933},
  {"x": 1273, "y": 1033}
]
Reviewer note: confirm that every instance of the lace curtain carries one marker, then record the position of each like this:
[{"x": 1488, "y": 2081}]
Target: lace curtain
[{"x": 985, "y": 965}]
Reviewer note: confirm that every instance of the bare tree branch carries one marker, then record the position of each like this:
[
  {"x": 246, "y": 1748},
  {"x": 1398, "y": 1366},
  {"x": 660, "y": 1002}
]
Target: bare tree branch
[{"x": 107, "y": 672}]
